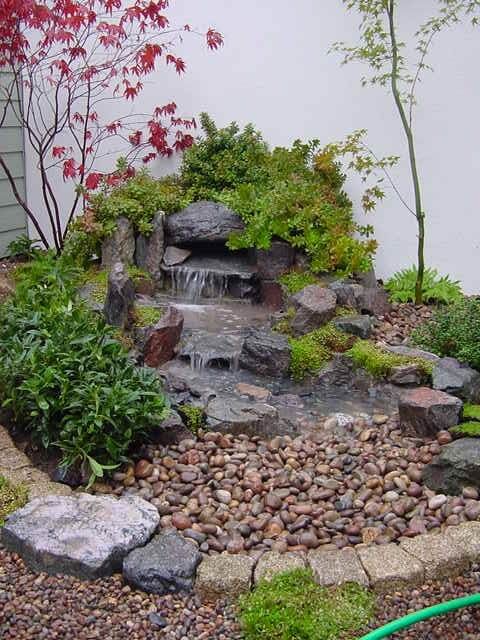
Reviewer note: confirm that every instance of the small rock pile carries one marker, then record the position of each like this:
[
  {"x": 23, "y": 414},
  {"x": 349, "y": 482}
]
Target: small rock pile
[
  {"x": 396, "y": 326},
  {"x": 359, "y": 484}
]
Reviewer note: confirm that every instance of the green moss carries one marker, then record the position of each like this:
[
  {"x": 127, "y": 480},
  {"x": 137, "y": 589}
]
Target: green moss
[
  {"x": 379, "y": 363},
  {"x": 295, "y": 281},
  {"x": 283, "y": 325},
  {"x": 344, "y": 312},
  {"x": 471, "y": 411},
  {"x": 194, "y": 417},
  {"x": 292, "y": 607},
  {"x": 98, "y": 279},
  {"x": 11, "y": 498},
  {"x": 467, "y": 429},
  {"x": 147, "y": 316},
  {"x": 312, "y": 351}
]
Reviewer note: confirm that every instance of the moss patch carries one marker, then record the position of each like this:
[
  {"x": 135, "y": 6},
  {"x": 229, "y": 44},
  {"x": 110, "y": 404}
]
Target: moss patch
[
  {"x": 379, "y": 363},
  {"x": 11, "y": 498},
  {"x": 312, "y": 351},
  {"x": 146, "y": 316},
  {"x": 295, "y": 281},
  {"x": 293, "y": 607},
  {"x": 467, "y": 429},
  {"x": 194, "y": 417},
  {"x": 471, "y": 411}
]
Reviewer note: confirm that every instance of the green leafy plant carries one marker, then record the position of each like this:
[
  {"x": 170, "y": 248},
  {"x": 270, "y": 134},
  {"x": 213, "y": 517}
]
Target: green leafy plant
[
  {"x": 295, "y": 281},
  {"x": 64, "y": 377},
  {"x": 435, "y": 288},
  {"x": 453, "y": 331},
  {"x": 12, "y": 497},
  {"x": 146, "y": 316},
  {"x": 23, "y": 247},
  {"x": 379, "y": 363},
  {"x": 292, "y": 607},
  {"x": 309, "y": 353},
  {"x": 194, "y": 416}
]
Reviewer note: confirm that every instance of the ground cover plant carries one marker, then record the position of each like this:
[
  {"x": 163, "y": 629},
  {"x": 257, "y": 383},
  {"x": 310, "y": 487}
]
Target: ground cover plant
[
  {"x": 292, "y": 607},
  {"x": 311, "y": 352},
  {"x": 453, "y": 331},
  {"x": 12, "y": 497},
  {"x": 63, "y": 376},
  {"x": 379, "y": 362},
  {"x": 470, "y": 425},
  {"x": 435, "y": 288},
  {"x": 294, "y": 281}
]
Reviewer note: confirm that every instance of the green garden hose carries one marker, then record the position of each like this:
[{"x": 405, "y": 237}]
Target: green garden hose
[{"x": 423, "y": 614}]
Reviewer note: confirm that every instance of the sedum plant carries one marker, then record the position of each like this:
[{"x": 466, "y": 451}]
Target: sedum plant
[{"x": 435, "y": 288}]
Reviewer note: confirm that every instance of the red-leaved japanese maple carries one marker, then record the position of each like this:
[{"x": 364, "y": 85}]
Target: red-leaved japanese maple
[{"x": 64, "y": 63}]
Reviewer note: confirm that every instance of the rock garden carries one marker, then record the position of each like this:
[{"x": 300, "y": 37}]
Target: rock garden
[{"x": 200, "y": 398}]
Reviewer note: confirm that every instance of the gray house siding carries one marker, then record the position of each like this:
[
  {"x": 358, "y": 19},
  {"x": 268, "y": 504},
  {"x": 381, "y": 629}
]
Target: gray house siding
[{"x": 12, "y": 216}]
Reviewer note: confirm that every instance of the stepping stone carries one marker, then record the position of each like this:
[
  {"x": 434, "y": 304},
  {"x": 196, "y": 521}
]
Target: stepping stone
[
  {"x": 335, "y": 567},
  {"x": 224, "y": 576},
  {"x": 390, "y": 568},
  {"x": 167, "y": 564},
  {"x": 81, "y": 535},
  {"x": 440, "y": 557},
  {"x": 273, "y": 563},
  {"x": 466, "y": 536}
]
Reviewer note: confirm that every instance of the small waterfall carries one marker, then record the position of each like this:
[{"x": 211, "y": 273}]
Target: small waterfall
[
  {"x": 205, "y": 349},
  {"x": 198, "y": 283}
]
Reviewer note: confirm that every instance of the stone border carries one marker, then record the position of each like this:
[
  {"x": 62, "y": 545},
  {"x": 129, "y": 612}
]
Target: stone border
[
  {"x": 17, "y": 468},
  {"x": 382, "y": 568}
]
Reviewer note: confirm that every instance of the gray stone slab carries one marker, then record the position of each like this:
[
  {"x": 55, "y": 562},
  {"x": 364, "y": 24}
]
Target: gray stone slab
[
  {"x": 224, "y": 576},
  {"x": 466, "y": 536},
  {"x": 273, "y": 563},
  {"x": 389, "y": 567},
  {"x": 439, "y": 556},
  {"x": 335, "y": 567}
]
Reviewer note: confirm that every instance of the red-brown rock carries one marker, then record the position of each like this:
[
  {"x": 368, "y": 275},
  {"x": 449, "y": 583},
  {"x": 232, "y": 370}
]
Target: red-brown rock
[
  {"x": 424, "y": 411},
  {"x": 163, "y": 338}
]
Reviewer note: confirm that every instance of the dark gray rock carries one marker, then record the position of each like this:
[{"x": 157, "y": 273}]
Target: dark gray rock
[
  {"x": 205, "y": 348},
  {"x": 424, "y": 412},
  {"x": 174, "y": 256},
  {"x": 271, "y": 263},
  {"x": 347, "y": 292},
  {"x": 406, "y": 375},
  {"x": 230, "y": 414},
  {"x": 314, "y": 306},
  {"x": 360, "y": 326},
  {"x": 82, "y": 535},
  {"x": 457, "y": 466},
  {"x": 367, "y": 279},
  {"x": 411, "y": 352},
  {"x": 202, "y": 222},
  {"x": 459, "y": 379},
  {"x": 149, "y": 249},
  {"x": 170, "y": 431},
  {"x": 120, "y": 246},
  {"x": 161, "y": 339},
  {"x": 120, "y": 297},
  {"x": 167, "y": 564},
  {"x": 266, "y": 353},
  {"x": 374, "y": 301}
]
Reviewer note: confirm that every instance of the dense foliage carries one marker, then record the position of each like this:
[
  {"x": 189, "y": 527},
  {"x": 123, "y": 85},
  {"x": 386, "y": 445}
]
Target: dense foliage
[
  {"x": 11, "y": 498},
  {"x": 453, "y": 331},
  {"x": 295, "y": 281},
  {"x": 292, "y": 607},
  {"x": 435, "y": 288},
  {"x": 379, "y": 363},
  {"x": 65, "y": 378}
]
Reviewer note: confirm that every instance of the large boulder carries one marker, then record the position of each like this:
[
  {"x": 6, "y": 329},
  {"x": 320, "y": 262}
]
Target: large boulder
[
  {"x": 278, "y": 259},
  {"x": 202, "y": 222},
  {"x": 162, "y": 339},
  {"x": 120, "y": 245},
  {"x": 120, "y": 297},
  {"x": 314, "y": 306},
  {"x": 424, "y": 412},
  {"x": 80, "y": 534},
  {"x": 266, "y": 353},
  {"x": 459, "y": 379},
  {"x": 167, "y": 564},
  {"x": 149, "y": 249},
  {"x": 457, "y": 466}
]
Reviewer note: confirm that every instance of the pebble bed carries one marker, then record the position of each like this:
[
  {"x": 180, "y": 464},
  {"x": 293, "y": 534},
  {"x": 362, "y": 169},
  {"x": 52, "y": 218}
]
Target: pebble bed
[
  {"x": 39, "y": 607},
  {"x": 359, "y": 482},
  {"x": 396, "y": 326}
]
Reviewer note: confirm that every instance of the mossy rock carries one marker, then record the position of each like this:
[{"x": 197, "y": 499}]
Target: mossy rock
[
  {"x": 12, "y": 497},
  {"x": 379, "y": 363}
]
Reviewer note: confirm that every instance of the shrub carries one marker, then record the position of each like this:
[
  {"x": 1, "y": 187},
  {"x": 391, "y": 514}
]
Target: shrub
[
  {"x": 312, "y": 351},
  {"x": 292, "y": 607},
  {"x": 194, "y": 417},
  {"x": 436, "y": 288},
  {"x": 12, "y": 497},
  {"x": 295, "y": 281},
  {"x": 379, "y": 363},
  {"x": 64, "y": 377},
  {"x": 453, "y": 331},
  {"x": 23, "y": 247}
]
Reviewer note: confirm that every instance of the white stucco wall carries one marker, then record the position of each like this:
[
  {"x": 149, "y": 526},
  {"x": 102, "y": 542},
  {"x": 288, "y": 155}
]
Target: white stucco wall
[{"x": 274, "y": 71}]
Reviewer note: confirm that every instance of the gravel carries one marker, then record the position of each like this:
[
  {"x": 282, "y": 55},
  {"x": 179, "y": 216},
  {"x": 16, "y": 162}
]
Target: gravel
[
  {"x": 396, "y": 326},
  {"x": 246, "y": 495},
  {"x": 60, "y": 607}
]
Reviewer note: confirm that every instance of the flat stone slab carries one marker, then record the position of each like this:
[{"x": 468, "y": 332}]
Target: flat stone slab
[
  {"x": 389, "y": 568},
  {"x": 81, "y": 535},
  {"x": 335, "y": 567},
  {"x": 224, "y": 576},
  {"x": 466, "y": 536},
  {"x": 167, "y": 564},
  {"x": 439, "y": 556},
  {"x": 273, "y": 563}
]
